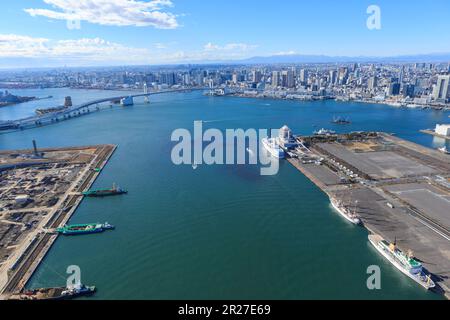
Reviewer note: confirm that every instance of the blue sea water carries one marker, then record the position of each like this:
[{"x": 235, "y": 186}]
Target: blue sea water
[{"x": 216, "y": 232}]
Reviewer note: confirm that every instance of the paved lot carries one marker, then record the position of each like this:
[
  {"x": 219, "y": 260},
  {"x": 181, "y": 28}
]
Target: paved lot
[
  {"x": 426, "y": 198},
  {"x": 379, "y": 165},
  {"x": 324, "y": 174},
  {"x": 395, "y": 165}
]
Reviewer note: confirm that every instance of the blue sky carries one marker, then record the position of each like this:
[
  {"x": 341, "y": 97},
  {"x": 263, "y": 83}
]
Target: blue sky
[{"x": 171, "y": 31}]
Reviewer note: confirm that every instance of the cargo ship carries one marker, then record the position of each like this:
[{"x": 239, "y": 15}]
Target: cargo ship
[
  {"x": 403, "y": 262},
  {"x": 57, "y": 293},
  {"x": 78, "y": 229},
  {"x": 105, "y": 192}
]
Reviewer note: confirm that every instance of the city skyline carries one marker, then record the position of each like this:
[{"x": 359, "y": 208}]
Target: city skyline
[{"x": 54, "y": 33}]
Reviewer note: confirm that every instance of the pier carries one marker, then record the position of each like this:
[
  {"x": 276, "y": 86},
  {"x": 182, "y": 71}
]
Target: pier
[
  {"x": 400, "y": 190},
  {"x": 433, "y": 133},
  {"x": 33, "y": 245}
]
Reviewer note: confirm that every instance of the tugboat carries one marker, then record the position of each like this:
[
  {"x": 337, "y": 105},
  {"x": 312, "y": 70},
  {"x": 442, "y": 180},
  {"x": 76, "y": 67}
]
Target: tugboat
[
  {"x": 341, "y": 120},
  {"x": 114, "y": 191},
  {"x": 78, "y": 229},
  {"x": 57, "y": 293},
  {"x": 403, "y": 262}
]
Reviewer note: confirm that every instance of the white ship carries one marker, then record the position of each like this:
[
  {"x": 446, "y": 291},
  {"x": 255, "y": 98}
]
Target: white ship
[
  {"x": 271, "y": 145},
  {"x": 444, "y": 150},
  {"x": 345, "y": 211},
  {"x": 324, "y": 132},
  {"x": 403, "y": 262}
]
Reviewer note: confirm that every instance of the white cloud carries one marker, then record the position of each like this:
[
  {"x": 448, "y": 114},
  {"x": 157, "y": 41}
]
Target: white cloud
[
  {"x": 111, "y": 12},
  {"x": 229, "y": 47},
  {"x": 12, "y": 45},
  {"x": 79, "y": 51},
  {"x": 96, "y": 51},
  {"x": 286, "y": 53}
]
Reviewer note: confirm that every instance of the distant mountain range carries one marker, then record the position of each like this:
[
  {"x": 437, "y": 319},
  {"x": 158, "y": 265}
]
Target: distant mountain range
[
  {"x": 297, "y": 58},
  {"x": 39, "y": 63}
]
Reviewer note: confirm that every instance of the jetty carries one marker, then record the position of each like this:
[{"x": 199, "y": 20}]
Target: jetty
[
  {"x": 400, "y": 190},
  {"x": 67, "y": 171}
]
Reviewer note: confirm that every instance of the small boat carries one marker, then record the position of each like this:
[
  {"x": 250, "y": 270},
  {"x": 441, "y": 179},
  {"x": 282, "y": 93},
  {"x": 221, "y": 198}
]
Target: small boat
[
  {"x": 403, "y": 262},
  {"x": 78, "y": 229},
  {"x": 57, "y": 293},
  {"x": 105, "y": 192},
  {"x": 341, "y": 120}
]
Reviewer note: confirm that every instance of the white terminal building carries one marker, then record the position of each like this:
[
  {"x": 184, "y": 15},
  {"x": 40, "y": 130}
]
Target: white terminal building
[{"x": 443, "y": 130}]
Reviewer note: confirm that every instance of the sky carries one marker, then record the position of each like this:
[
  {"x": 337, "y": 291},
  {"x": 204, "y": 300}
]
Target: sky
[{"x": 134, "y": 32}]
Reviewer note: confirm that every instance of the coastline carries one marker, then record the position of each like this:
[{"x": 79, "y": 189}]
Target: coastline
[
  {"x": 399, "y": 220},
  {"x": 309, "y": 99},
  {"x": 34, "y": 253}
]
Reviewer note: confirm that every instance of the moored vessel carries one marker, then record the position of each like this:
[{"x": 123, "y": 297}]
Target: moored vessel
[
  {"x": 324, "y": 132},
  {"x": 57, "y": 293},
  {"x": 115, "y": 190},
  {"x": 341, "y": 120},
  {"x": 78, "y": 229},
  {"x": 345, "y": 212},
  {"x": 272, "y": 146},
  {"x": 403, "y": 262}
]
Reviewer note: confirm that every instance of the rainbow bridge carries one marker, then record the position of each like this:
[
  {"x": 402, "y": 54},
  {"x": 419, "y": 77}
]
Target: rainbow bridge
[{"x": 79, "y": 110}]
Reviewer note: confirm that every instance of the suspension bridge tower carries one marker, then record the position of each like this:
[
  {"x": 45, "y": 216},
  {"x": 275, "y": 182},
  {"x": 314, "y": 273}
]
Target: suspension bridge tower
[{"x": 146, "y": 98}]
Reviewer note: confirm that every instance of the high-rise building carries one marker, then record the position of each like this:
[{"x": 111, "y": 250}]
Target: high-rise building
[
  {"x": 409, "y": 90},
  {"x": 333, "y": 76},
  {"x": 372, "y": 83},
  {"x": 256, "y": 76},
  {"x": 401, "y": 75},
  {"x": 343, "y": 75},
  {"x": 304, "y": 76},
  {"x": 287, "y": 79},
  {"x": 235, "y": 78},
  {"x": 441, "y": 90},
  {"x": 394, "y": 89},
  {"x": 187, "y": 79},
  {"x": 168, "y": 78},
  {"x": 275, "y": 79}
]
